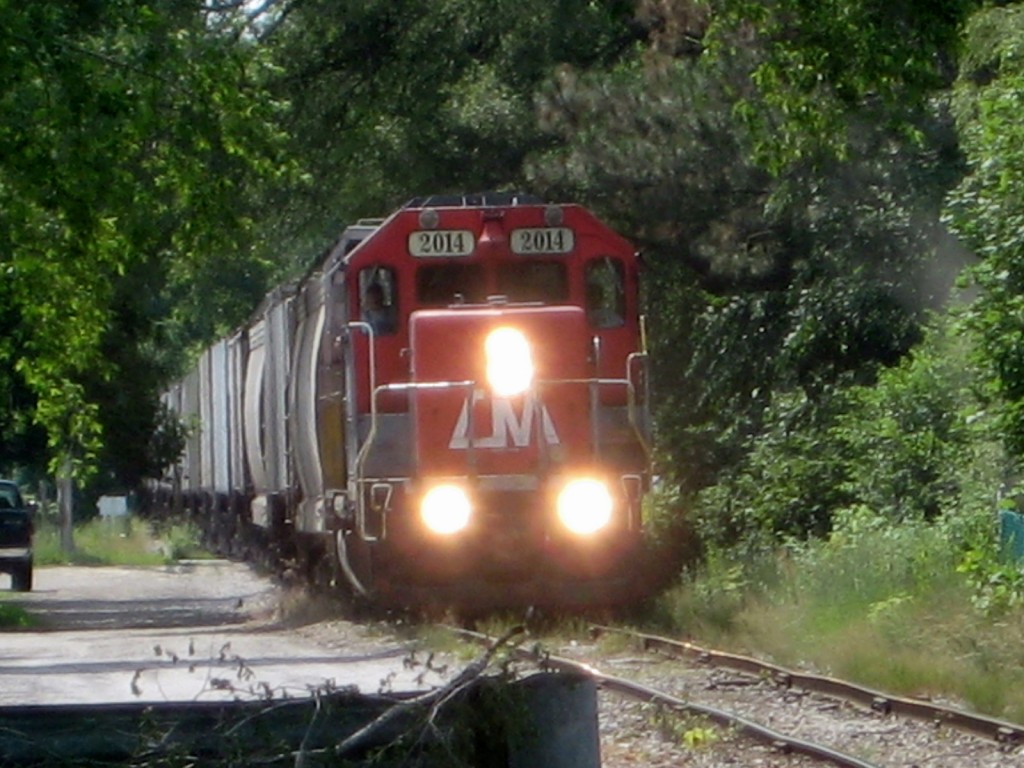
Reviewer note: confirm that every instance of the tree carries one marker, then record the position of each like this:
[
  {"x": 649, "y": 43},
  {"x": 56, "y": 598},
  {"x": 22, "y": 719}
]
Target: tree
[
  {"x": 986, "y": 209},
  {"x": 825, "y": 61},
  {"x": 130, "y": 136}
]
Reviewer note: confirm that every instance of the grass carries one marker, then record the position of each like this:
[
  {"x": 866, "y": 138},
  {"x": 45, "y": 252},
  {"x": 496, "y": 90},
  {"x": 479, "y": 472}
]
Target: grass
[
  {"x": 886, "y": 607},
  {"x": 127, "y": 541},
  {"x": 13, "y": 616}
]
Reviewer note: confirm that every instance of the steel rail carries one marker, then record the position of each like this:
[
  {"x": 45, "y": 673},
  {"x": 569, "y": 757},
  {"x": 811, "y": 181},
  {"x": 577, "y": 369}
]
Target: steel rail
[
  {"x": 782, "y": 742},
  {"x": 1001, "y": 731}
]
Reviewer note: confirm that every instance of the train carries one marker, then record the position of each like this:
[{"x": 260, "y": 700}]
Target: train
[{"x": 451, "y": 408}]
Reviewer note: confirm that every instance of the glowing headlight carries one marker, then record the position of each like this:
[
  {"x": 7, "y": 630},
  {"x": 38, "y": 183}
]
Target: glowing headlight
[
  {"x": 585, "y": 506},
  {"x": 509, "y": 366},
  {"x": 445, "y": 509}
]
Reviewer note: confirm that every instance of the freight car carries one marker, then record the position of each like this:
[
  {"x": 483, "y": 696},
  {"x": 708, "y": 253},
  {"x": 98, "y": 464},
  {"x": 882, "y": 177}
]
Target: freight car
[{"x": 452, "y": 407}]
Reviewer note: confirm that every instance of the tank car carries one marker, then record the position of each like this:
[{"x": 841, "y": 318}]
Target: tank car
[{"x": 451, "y": 408}]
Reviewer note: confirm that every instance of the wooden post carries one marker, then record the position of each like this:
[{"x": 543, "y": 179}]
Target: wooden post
[
  {"x": 66, "y": 506},
  {"x": 44, "y": 499}
]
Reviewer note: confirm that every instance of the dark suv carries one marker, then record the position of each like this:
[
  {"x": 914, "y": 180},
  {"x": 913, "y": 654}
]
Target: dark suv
[{"x": 15, "y": 536}]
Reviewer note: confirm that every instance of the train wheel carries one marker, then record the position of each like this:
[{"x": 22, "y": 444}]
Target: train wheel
[
  {"x": 325, "y": 573},
  {"x": 316, "y": 564}
]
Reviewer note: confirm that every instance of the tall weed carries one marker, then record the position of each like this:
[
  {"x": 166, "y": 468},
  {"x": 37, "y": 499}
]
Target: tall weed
[{"x": 878, "y": 602}]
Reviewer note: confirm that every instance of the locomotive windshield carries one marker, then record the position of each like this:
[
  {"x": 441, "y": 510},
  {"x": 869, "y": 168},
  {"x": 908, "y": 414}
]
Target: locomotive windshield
[
  {"x": 440, "y": 285},
  {"x": 543, "y": 281}
]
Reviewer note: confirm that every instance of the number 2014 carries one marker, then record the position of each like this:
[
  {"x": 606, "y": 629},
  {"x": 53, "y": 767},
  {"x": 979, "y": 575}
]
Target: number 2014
[
  {"x": 550, "y": 240},
  {"x": 442, "y": 243}
]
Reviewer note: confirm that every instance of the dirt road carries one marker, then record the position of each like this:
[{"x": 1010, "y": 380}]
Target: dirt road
[{"x": 193, "y": 631}]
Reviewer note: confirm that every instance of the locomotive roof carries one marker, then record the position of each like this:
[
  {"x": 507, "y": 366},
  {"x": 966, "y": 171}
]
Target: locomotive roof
[{"x": 476, "y": 200}]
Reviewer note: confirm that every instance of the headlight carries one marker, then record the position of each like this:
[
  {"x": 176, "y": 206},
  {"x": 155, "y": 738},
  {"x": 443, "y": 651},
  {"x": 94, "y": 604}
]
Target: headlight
[
  {"x": 509, "y": 365},
  {"x": 445, "y": 509},
  {"x": 585, "y": 505}
]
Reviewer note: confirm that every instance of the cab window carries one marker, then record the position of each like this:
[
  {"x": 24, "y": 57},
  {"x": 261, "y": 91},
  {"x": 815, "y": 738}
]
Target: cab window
[
  {"x": 605, "y": 293},
  {"x": 378, "y": 299}
]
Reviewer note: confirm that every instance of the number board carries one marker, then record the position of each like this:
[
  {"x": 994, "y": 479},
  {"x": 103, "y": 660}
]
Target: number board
[
  {"x": 435, "y": 243},
  {"x": 543, "y": 240}
]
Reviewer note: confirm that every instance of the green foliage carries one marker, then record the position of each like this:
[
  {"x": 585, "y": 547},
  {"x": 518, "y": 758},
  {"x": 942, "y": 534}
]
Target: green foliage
[
  {"x": 825, "y": 62},
  {"x": 891, "y": 604},
  {"x": 14, "y": 617},
  {"x": 670, "y": 538},
  {"x": 997, "y": 584},
  {"x": 789, "y": 483},
  {"x": 913, "y": 458},
  {"x": 712, "y": 595},
  {"x": 179, "y": 540},
  {"x": 130, "y": 139},
  {"x": 914, "y": 446},
  {"x": 691, "y": 731},
  {"x": 903, "y": 438},
  {"x": 986, "y": 209},
  {"x": 868, "y": 562},
  {"x": 757, "y": 286},
  {"x": 394, "y": 99}
]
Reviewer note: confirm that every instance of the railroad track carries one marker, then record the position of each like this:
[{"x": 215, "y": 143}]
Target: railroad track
[
  {"x": 788, "y": 717},
  {"x": 1000, "y": 731}
]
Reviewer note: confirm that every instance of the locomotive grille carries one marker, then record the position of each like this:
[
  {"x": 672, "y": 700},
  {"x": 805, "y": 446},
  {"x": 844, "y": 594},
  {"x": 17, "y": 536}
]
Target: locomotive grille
[{"x": 511, "y": 529}]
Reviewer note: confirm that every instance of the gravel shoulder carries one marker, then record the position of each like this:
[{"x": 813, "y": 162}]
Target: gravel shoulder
[{"x": 192, "y": 631}]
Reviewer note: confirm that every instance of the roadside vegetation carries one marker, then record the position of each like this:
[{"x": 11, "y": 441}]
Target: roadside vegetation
[
  {"x": 13, "y": 616},
  {"x": 119, "y": 541},
  {"x": 827, "y": 196},
  {"x": 909, "y": 584},
  {"x": 896, "y": 607}
]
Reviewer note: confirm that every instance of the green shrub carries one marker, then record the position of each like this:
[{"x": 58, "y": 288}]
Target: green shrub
[
  {"x": 916, "y": 445},
  {"x": 789, "y": 483}
]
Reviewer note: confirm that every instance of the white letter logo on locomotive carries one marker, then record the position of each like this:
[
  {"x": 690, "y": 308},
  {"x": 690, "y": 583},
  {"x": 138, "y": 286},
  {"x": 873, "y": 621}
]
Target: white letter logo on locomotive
[{"x": 508, "y": 429}]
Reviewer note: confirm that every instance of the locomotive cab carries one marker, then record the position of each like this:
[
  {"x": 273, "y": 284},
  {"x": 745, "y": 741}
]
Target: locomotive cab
[{"x": 497, "y": 430}]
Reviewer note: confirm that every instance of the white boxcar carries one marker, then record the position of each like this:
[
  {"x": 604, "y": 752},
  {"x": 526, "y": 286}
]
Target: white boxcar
[
  {"x": 267, "y": 447},
  {"x": 219, "y": 423},
  {"x": 237, "y": 351}
]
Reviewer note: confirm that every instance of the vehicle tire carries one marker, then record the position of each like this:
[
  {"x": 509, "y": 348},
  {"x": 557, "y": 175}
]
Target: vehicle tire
[{"x": 21, "y": 578}]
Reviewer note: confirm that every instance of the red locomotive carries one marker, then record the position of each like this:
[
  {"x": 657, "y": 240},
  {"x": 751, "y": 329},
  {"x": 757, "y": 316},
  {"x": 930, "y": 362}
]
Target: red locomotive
[{"x": 452, "y": 409}]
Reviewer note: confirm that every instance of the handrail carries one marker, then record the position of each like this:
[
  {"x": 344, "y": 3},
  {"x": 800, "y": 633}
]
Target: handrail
[{"x": 631, "y": 406}]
